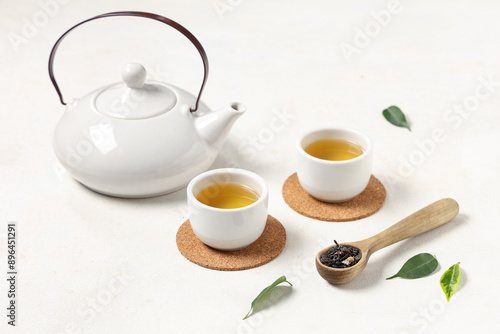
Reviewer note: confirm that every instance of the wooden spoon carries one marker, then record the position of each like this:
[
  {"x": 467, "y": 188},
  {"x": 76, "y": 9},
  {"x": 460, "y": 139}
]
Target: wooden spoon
[{"x": 432, "y": 216}]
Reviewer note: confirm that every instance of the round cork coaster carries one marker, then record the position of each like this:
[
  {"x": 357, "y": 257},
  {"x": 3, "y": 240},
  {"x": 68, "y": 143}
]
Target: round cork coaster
[
  {"x": 267, "y": 247},
  {"x": 361, "y": 206}
]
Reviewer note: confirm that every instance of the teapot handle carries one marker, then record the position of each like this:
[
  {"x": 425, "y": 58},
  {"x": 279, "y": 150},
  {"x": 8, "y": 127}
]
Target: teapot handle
[{"x": 156, "y": 17}]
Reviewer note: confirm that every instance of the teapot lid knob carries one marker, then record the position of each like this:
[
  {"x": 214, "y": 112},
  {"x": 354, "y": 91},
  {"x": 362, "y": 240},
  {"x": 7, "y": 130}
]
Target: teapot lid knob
[
  {"x": 134, "y": 75},
  {"x": 134, "y": 97}
]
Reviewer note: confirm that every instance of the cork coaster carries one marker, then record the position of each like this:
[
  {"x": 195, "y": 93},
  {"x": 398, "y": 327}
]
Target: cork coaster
[
  {"x": 267, "y": 247},
  {"x": 361, "y": 206}
]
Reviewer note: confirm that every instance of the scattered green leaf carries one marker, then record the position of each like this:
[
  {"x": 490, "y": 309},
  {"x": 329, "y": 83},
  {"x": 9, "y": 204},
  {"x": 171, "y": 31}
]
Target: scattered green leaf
[
  {"x": 395, "y": 116},
  {"x": 449, "y": 280},
  {"x": 265, "y": 292},
  {"x": 420, "y": 265}
]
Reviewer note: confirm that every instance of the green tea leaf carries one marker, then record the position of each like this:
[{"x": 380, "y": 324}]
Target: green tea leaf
[
  {"x": 264, "y": 293},
  {"x": 420, "y": 265},
  {"x": 449, "y": 280},
  {"x": 395, "y": 116}
]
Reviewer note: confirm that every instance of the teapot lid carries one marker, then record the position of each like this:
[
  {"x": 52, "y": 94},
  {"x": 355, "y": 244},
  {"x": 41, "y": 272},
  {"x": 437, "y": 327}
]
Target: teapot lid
[{"x": 134, "y": 98}]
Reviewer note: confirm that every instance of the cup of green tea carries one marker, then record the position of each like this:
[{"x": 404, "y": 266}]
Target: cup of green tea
[
  {"x": 228, "y": 207},
  {"x": 334, "y": 164}
]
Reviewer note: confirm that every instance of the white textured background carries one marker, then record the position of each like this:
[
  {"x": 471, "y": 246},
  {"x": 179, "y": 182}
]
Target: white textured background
[{"x": 79, "y": 250}]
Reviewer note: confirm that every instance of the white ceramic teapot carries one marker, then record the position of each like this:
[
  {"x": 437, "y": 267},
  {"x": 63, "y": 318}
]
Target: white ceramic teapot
[{"x": 140, "y": 138}]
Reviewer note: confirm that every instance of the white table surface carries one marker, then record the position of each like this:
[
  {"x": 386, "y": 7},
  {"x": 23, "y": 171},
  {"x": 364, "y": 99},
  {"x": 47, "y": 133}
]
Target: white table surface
[{"x": 95, "y": 264}]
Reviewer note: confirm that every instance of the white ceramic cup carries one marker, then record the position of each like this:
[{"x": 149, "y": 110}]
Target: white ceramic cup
[
  {"x": 334, "y": 181},
  {"x": 228, "y": 229}
]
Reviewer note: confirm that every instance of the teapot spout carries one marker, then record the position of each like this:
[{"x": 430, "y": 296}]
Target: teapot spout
[{"x": 213, "y": 127}]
